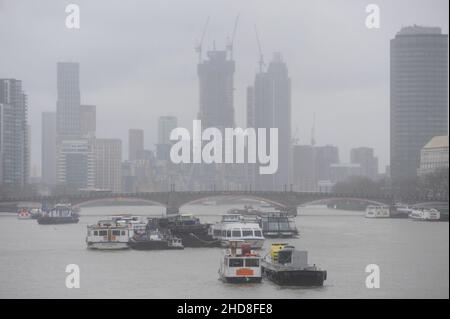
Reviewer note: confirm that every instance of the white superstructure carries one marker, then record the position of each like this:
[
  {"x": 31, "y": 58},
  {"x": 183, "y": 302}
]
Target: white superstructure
[
  {"x": 233, "y": 228},
  {"x": 427, "y": 214},
  {"x": 107, "y": 235},
  {"x": 377, "y": 212}
]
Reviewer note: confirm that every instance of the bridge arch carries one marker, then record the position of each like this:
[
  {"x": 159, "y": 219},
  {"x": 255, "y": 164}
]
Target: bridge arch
[
  {"x": 277, "y": 203},
  {"x": 88, "y": 201},
  {"x": 353, "y": 199}
]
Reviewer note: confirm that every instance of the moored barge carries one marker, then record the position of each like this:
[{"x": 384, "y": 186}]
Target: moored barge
[
  {"x": 155, "y": 238},
  {"x": 60, "y": 214},
  {"x": 190, "y": 230},
  {"x": 287, "y": 266}
]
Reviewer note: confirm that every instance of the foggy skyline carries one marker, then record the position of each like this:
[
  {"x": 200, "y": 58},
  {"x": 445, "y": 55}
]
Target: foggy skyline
[{"x": 137, "y": 61}]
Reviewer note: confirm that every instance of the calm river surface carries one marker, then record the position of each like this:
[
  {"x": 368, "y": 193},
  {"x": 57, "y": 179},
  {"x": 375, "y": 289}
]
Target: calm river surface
[{"x": 413, "y": 258}]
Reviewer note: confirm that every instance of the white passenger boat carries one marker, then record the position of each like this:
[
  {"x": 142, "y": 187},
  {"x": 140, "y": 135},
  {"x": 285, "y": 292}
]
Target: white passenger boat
[
  {"x": 425, "y": 214},
  {"x": 232, "y": 227},
  {"x": 240, "y": 265},
  {"x": 377, "y": 211},
  {"x": 107, "y": 235},
  {"x": 134, "y": 223}
]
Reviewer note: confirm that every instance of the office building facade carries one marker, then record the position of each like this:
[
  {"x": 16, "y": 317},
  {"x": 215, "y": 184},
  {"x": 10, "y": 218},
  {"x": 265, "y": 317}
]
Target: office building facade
[
  {"x": 419, "y": 96},
  {"x": 271, "y": 99},
  {"x": 14, "y": 134},
  {"x": 135, "y": 144},
  {"x": 48, "y": 148},
  {"x": 364, "y": 156},
  {"x": 108, "y": 164}
]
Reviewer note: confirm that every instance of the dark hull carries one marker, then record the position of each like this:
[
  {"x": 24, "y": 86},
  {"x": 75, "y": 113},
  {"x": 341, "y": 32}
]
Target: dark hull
[
  {"x": 194, "y": 235},
  {"x": 280, "y": 235},
  {"x": 150, "y": 245},
  {"x": 296, "y": 277},
  {"x": 241, "y": 280},
  {"x": 57, "y": 220},
  {"x": 197, "y": 240},
  {"x": 395, "y": 214}
]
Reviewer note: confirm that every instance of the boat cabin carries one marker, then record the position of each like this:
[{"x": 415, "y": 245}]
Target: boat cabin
[
  {"x": 240, "y": 264},
  {"x": 230, "y": 218},
  {"x": 107, "y": 231}
]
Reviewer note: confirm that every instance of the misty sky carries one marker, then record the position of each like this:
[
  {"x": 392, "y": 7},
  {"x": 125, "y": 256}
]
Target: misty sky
[{"x": 137, "y": 60}]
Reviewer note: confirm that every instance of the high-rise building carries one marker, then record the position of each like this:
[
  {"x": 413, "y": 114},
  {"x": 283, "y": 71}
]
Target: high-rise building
[
  {"x": 14, "y": 135},
  {"x": 365, "y": 158},
  {"x": 325, "y": 156},
  {"x": 88, "y": 120},
  {"x": 343, "y": 171},
  {"x": 48, "y": 149},
  {"x": 135, "y": 144},
  {"x": 108, "y": 164},
  {"x": 271, "y": 96},
  {"x": 419, "y": 95},
  {"x": 75, "y": 163},
  {"x": 165, "y": 126},
  {"x": 303, "y": 168},
  {"x": 68, "y": 103},
  {"x": 216, "y": 90}
]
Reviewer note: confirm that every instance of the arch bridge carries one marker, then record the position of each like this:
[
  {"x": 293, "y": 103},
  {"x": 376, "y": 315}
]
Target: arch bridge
[{"x": 173, "y": 200}]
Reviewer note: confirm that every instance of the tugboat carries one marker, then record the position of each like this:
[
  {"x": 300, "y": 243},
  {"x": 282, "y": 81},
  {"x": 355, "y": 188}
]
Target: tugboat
[
  {"x": 233, "y": 227},
  {"x": 107, "y": 235},
  {"x": 377, "y": 211},
  {"x": 278, "y": 224},
  {"x": 190, "y": 230},
  {"x": 287, "y": 266},
  {"x": 425, "y": 214},
  {"x": 60, "y": 214},
  {"x": 155, "y": 238},
  {"x": 240, "y": 265}
]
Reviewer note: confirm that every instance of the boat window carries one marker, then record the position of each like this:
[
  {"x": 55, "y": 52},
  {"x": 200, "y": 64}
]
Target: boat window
[
  {"x": 258, "y": 233},
  {"x": 236, "y": 233},
  {"x": 236, "y": 262},
  {"x": 103, "y": 233},
  {"x": 95, "y": 233},
  {"x": 216, "y": 232},
  {"x": 116, "y": 232},
  {"x": 247, "y": 233},
  {"x": 251, "y": 262},
  {"x": 228, "y": 233},
  {"x": 123, "y": 233},
  {"x": 224, "y": 233}
]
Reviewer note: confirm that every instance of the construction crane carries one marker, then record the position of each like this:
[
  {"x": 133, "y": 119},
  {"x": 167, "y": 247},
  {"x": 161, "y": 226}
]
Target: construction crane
[
  {"x": 198, "y": 47},
  {"x": 261, "y": 57},
  {"x": 230, "y": 42}
]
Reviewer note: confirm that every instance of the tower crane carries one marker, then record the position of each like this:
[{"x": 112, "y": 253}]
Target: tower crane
[
  {"x": 261, "y": 57},
  {"x": 230, "y": 42},
  {"x": 198, "y": 47}
]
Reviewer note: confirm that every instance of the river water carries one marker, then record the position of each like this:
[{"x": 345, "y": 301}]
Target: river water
[{"x": 413, "y": 258}]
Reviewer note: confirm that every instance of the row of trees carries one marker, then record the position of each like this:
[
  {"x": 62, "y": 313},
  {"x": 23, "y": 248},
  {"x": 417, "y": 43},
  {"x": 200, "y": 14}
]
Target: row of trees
[{"x": 433, "y": 185}]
